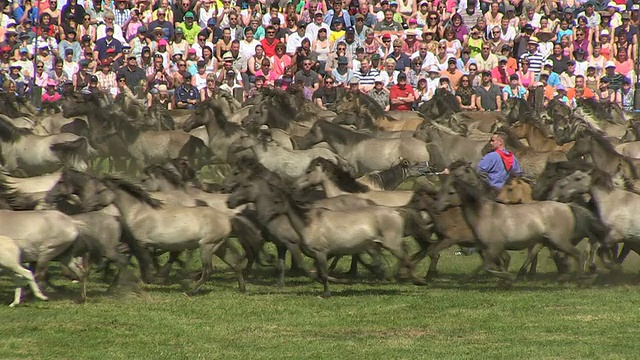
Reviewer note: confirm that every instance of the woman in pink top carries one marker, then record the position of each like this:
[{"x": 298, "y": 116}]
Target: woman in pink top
[
  {"x": 50, "y": 98},
  {"x": 279, "y": 61},
  {"x": 42, "y": 78},
  {"x": 526, "y": 76},
  {"x": 624, "y": 65},
  {"x": 265, "y": 70}
]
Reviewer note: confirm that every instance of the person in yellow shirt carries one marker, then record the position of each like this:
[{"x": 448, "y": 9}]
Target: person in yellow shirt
[
  {"x": 189, "y": 27},
  {"x": 338, "y": 32}
]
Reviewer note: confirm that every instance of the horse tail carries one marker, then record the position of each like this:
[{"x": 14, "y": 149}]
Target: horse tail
[{"x": 249, "y": 237}]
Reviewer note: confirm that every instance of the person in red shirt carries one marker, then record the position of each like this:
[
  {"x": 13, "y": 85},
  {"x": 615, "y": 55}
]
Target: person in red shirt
[
  {"x": 401, "y": 94},
  {"x": 269, "y": 42},
  {"x": 580, "y": 90},
  {"x": 500, "y": 74}
]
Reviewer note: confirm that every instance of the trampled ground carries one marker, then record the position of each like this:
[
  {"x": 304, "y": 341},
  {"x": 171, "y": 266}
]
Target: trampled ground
[{"x": 451, "y": 318}]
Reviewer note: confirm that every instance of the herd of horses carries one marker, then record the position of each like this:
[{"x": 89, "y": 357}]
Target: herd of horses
[{"x": 106, "y": 181}]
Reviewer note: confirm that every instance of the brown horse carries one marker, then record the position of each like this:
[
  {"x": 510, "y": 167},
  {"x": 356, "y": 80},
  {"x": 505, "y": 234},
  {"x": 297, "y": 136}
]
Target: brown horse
[
  {"x": 515, "y": 191},
  {"x": 364, "y": 106},
  {"x": 537, "y": 137},
  {"x": 531, "y": 161}
]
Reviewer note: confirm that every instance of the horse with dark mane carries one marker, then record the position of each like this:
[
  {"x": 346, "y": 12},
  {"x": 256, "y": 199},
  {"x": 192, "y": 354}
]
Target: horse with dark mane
[{"x": 364, "y": 106}]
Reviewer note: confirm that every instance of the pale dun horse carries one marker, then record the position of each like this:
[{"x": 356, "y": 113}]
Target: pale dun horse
[{"x": 10, "y": 254}]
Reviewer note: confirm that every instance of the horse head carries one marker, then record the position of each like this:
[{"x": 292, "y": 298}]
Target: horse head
[
  {"x": 81, "y": 190},
  {"x": 347, "y": 103},
  {"x": 572, "y": 185}
]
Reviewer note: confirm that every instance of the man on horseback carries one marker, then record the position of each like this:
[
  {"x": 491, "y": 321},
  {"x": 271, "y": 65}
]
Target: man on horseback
[{"x": 500, "y": 163}]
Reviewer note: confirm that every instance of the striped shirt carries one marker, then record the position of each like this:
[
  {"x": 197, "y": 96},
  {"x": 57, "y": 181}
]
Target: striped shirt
[
  {"x": 535, "y": 61},
  {"x": 367, "y": 79}
]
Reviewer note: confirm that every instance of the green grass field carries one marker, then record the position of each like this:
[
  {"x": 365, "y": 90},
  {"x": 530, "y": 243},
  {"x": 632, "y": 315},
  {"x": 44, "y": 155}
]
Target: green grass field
[{"x": 450, "y": 318}]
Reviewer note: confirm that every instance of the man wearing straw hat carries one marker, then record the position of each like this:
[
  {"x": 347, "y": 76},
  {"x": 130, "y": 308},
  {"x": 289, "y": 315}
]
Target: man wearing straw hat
[{"x": 534, "y": 55}]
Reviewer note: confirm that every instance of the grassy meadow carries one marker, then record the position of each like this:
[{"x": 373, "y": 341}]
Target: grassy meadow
[{"x": 451, "y": 318}]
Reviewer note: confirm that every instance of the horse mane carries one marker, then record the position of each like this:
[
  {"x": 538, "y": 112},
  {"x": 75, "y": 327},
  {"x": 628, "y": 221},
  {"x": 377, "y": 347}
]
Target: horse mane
[
  {"x": 339, "y": 133},
  {"x": 595, "y": 108},
  {"x": 447, "y": 99},
  {"x": 468, "y": 193},
  {"x": 394, "y": 175},
  {"x": 368, "y": 105},
  {"x": 512, "y": 140},
  {"x": 602, "y": 179},
  {"x": 10, "y": 102},
  {"x": 441, "y": 128},
  {"x": 228, "y": 128},
  {"x": 173, "y": 177},
  {"x": 11, "y": 133},
  {"x": 531, "y": 120},
  {"x": 183, "y": 167},
  {"x": 15, "y": 198},
  {"x": 341, "y": 178},
  {"x": 257, "y": 170},
  {"x": 132, "y": 189},
  {"x": 608, "y": 147}
]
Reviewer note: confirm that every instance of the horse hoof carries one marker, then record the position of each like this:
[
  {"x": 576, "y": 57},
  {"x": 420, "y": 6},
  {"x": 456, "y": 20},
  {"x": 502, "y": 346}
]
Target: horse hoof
[
  {"x": 431, "y": 275},
  {"x": 420, "y": 282},
  {"x": 191, "y": 293}
]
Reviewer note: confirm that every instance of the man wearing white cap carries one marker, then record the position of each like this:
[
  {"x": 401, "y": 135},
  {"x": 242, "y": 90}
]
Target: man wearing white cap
[
  {"x": 433, "y": 81},
  {"x": 554, "y": 78},
  {"x": 616, "y": 78},
  {"x": 379, "y": 93},
  {"x": 534, "y": 55},
  {"x": 616, "y": 18}
]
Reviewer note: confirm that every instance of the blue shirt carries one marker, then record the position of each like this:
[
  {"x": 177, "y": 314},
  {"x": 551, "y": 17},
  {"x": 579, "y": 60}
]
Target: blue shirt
[
  {"x": 493, "y": 166},
  {"x": 183, "y": 94},
  {"x": 519, "y": 92}
]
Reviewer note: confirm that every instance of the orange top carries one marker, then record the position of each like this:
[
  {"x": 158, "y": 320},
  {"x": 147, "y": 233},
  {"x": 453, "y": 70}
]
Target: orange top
[{"x": 571, "y": 93}]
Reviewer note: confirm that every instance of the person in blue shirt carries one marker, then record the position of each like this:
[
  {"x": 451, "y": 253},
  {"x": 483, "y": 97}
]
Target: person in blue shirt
[
  {"x": 186, "y": 94},
  {"x": 514, "y": 89},
  {"x": 500, "y": 163},
  {"x": 554, "y": 78}
]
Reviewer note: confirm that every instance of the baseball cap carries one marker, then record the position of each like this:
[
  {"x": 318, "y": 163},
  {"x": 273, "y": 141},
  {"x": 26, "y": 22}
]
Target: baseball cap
[
  {"x": 189, "y": 15},
  {"x": 609, "y": 64},
  {"x": 342, "y": 60}
]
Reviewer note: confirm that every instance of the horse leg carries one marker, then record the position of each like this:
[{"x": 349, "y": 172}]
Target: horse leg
[
  {"x": 334, "y": 262},
  {"x": 568, "y": 248},
  {"x": 232, "y": 263},
  {"x": 165, "y": 270},
  {"x": 399, "y": 249},
  {"x": 20, "y": 275},
  {"x": 320, "y": 260},
  {"x": 297, "y": 260},
  {"x": 376, "y": 264},
  {"x": 353, "y": 269},
  {"x": 282, "y": 257},
  {"x": 492, "y": 257},
  {"x": 433, "y": 252},
  {"x": 531, "y": 258}
]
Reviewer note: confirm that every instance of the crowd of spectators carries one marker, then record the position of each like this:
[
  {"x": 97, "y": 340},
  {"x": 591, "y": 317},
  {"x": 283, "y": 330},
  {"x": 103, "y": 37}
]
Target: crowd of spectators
[{"x": 179, "y": 53}]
